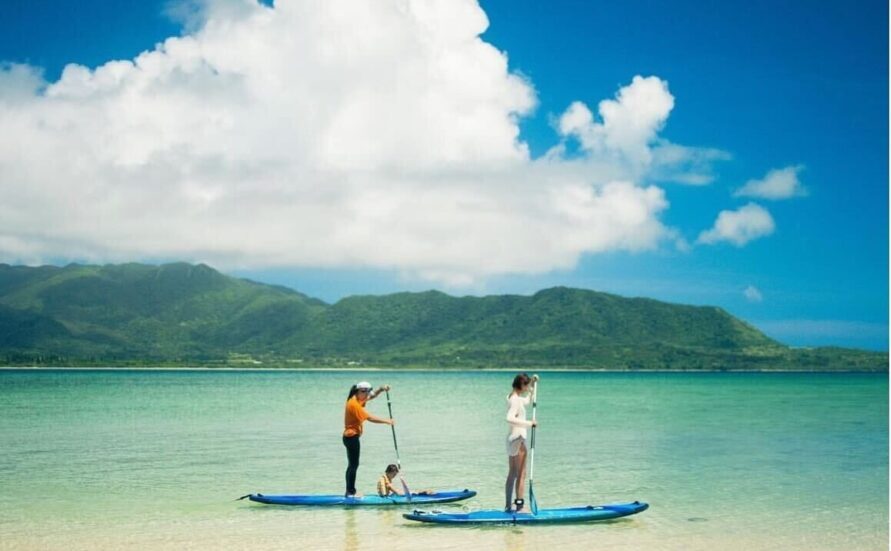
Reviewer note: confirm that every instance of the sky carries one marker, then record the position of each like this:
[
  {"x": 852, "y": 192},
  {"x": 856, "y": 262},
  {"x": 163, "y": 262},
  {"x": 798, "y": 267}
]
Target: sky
[{"x": 733, "y": 155}]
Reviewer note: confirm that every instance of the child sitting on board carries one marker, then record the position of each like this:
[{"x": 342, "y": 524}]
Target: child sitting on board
[{"x": 385, "y": 485}]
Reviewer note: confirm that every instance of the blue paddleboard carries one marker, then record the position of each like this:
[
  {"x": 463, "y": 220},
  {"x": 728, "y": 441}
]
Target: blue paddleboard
[
  {"x": 309, "y": 499},
  {"x": 569, "y": 514}
]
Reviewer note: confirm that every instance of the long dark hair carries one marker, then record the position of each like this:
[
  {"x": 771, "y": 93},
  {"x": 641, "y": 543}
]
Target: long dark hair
[
  {"x": 353, "y": 390},
  {"x": 521, "y": 380}
]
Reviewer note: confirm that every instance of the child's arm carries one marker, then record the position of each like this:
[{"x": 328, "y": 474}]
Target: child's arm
[{"x": 394, "y": 489}]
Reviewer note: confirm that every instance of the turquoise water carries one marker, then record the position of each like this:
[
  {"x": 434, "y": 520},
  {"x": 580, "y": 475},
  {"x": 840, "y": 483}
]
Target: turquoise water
[{"x": 130, "y": 459}]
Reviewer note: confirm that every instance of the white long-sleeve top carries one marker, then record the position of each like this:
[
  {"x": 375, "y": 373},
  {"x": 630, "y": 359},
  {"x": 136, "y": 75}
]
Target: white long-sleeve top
[{"x": 516, "y": 416}]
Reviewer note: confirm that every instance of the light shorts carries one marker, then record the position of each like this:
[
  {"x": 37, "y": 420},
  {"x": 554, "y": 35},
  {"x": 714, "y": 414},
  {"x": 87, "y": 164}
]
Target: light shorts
[{"x": 513, "y": 446}]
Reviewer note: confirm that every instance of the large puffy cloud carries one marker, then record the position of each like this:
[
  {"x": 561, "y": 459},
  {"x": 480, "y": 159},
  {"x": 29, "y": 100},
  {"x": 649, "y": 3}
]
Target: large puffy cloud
[
  {"x": 336, "y": 134},
  {"x": 739, "y": 226}
]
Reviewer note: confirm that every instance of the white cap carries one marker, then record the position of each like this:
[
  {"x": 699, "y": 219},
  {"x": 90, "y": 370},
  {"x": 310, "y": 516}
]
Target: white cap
[{"x": 364, "y": 385}]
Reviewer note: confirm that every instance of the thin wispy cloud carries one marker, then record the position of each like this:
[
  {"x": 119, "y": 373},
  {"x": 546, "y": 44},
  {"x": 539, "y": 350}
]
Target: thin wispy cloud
[
  {"x": 694, "y": 166},
  {"x": 752, "y": 294},
  {"x": 820, "y": 331}
]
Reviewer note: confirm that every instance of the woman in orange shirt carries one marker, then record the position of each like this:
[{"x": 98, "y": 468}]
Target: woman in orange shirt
[{"x": 353, "y": 417}]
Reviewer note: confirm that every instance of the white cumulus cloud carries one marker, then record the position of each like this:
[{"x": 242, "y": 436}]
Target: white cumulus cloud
[
  {"x": 629, "y": 124},
  {"x": 780, "y": 183},
  {"x": 627, "y": 135},
  {"x": 380, "y": 134},
  {"x": 739, "y": 226}
]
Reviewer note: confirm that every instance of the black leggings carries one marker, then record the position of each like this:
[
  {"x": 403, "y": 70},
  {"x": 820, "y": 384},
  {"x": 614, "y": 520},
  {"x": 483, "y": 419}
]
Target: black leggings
[{"x": 352, "y": 447}]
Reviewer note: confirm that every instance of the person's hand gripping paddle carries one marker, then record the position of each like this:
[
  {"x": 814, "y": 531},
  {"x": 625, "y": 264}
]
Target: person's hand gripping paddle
[{"x": 396, "y": 446}]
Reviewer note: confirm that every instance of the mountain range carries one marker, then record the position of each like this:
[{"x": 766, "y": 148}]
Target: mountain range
[{"x": 182, "y": 314}]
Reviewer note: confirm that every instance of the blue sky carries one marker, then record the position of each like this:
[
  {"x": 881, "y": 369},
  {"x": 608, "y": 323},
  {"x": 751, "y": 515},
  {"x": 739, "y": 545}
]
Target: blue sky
[{"x": 763, "y": 86}]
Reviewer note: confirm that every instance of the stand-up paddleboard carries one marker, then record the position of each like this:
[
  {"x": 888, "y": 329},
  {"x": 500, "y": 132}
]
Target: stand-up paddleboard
[
  {"x": 544, "y": 516},
  {"x": 537, "y": 515},
  {"x": 369, "y": 500}
]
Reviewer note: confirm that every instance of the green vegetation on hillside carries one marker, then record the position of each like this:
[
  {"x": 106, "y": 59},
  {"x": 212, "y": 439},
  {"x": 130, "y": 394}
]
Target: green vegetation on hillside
[{"x": 182, "y": 314}]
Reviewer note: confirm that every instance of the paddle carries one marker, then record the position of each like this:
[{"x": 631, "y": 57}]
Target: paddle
[
  {"x": 395, "y": 445},
  {"x": 533, "y": 503}
]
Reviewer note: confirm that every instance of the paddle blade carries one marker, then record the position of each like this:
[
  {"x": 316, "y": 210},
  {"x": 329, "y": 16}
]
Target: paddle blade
[
  {"x": 405, "y": 489},
  {"x": 533, "y": 503}
]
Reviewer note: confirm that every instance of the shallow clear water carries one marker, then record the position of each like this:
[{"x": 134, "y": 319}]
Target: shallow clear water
[{"x": 155, "y": 459}]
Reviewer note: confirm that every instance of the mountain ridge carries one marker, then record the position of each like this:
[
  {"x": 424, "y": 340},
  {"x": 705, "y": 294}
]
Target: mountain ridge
[{"x": 191, "y": 314}]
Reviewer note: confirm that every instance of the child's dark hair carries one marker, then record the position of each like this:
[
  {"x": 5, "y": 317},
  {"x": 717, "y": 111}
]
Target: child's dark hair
[
  {"x": 353, "y": 390},
  {"x": 392, "y": 469},
  {"x": 521, "y": 380}
]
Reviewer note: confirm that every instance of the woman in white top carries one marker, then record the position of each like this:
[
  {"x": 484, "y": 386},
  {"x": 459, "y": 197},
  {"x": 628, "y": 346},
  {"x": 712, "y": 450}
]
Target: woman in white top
[{"x": 516, "y": 440}]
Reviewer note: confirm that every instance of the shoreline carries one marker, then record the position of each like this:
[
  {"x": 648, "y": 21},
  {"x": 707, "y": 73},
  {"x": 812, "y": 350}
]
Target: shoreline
[{"x": 429, "y": 369}]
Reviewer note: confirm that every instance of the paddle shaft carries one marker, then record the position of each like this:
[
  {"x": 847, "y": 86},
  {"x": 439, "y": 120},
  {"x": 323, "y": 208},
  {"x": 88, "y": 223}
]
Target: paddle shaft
[
  {"x": 393, "y": 429},
  {"x": 405, "y": 487},
  {"x": 532, "y": 440}
]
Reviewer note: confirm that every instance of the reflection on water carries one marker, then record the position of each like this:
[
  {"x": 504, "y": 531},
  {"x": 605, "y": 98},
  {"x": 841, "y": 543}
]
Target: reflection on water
[
  {"x": 514, "y": 538},
  {"x": 350, "y": 531}
]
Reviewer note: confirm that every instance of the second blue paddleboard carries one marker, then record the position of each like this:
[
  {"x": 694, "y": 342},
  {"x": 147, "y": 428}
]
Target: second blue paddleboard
[
  {"x": 309, "y": 499},
  {"x": 568, "y": 514}
]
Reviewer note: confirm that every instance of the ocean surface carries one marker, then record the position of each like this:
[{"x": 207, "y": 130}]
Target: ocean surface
[{"x": 132, "y": 459}]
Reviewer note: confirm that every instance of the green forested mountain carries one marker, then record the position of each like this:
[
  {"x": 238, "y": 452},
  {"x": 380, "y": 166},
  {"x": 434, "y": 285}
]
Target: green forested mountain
[{"x": 181, "y": 314}]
